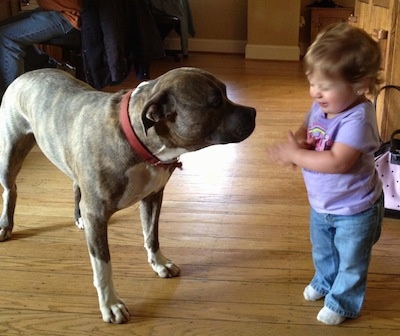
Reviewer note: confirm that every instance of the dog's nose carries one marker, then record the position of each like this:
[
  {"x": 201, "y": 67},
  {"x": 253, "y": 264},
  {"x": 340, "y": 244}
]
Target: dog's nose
[
  {"x": 246, "y": 123},
  {"x": 237, "y": 126},
  {"x": 252, "y": 112}
]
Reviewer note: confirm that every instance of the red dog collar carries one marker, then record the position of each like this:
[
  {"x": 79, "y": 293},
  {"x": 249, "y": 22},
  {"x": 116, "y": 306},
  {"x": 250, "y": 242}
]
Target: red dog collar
[{"x": 133, "y": 139}]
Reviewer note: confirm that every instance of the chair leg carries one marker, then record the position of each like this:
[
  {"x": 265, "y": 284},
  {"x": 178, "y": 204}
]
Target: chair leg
[
  {"x": 76, "y": 60},
  {"x": 142, "y": 70}
]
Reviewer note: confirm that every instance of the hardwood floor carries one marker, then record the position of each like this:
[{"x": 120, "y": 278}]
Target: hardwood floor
[{"x": 235, "y": 223}]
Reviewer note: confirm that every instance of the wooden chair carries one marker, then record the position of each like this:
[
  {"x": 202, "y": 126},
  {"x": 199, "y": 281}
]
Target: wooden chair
[{"x": 70, "y": 56}]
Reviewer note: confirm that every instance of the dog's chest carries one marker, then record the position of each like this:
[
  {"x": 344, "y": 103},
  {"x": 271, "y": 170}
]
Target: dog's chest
[{"x": 142, "y": 181}]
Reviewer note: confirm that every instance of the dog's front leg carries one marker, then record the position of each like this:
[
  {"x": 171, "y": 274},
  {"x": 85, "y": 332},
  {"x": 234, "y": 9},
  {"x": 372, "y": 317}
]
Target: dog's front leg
[
  {"x": 150, "y": 208},
  {"x": 7, "y": 216},
  {"x": 77, "y": 214},
  {"x": 112, "y": 308}
]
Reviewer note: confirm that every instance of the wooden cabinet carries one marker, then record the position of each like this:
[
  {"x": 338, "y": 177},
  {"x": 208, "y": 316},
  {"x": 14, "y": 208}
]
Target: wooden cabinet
[
  {"x": 380, "y": 18},
  {"x": 322, "y": 17}
]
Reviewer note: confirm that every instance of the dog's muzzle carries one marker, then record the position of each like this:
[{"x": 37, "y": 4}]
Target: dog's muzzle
[{"x": 237, "y": 127}]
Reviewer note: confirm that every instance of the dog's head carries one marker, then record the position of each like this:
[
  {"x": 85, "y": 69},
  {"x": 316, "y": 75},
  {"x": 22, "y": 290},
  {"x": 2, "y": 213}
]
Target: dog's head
[{"x": 189, "y": 109}]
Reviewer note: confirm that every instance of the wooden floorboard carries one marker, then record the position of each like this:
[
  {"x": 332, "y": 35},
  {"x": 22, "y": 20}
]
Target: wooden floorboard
[{"x": 235, "y": 223}]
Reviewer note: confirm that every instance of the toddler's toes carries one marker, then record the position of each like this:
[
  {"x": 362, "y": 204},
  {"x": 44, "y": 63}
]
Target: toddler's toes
[
  {"x": 328, "y": 316},
  {"x": 310, "y": 294}
]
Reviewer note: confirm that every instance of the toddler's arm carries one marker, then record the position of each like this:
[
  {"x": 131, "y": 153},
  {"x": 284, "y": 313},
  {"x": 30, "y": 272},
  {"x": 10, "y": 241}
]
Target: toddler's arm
[{"x": 338, "y": 160}]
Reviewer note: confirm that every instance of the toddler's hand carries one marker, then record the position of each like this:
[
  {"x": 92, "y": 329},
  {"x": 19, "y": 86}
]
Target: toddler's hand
[
  {"x": 282, "y": 153},
  {"x": 309, "y": 144}
]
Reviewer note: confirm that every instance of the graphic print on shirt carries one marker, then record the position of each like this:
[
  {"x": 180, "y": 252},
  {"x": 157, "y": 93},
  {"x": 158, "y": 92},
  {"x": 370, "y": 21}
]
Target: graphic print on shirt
[{"x": 319, "y": 137}]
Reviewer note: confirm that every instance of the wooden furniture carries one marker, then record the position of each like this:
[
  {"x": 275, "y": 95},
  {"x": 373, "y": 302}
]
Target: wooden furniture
[
  {"x": 380, "y": 19},
  {"x": 322, "y": 17},
  {"x": 9, "y": 8},
  {"x": 66, "y": 49}
]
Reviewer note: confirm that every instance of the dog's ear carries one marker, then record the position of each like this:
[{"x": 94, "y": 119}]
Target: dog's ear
[{"x": 159, "y": 107}]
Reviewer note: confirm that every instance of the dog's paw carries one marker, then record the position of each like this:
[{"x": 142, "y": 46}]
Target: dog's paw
[
  {"x": 5, "y": 234},
  {"x": 168, "y": 270},
  {"x": 162, "y": 266},
  {"x": 80, "y": 223},
  {"x": 115, "y": 313}
]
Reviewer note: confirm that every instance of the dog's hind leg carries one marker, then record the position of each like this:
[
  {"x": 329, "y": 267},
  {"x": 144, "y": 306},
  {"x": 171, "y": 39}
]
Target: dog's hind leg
[
  {"x": 150, "y": 213},
  {"x": 13, "y": 151}
]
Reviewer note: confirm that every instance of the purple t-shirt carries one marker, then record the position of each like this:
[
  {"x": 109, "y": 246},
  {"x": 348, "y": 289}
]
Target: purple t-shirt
[{"x": 359, "y": 188}]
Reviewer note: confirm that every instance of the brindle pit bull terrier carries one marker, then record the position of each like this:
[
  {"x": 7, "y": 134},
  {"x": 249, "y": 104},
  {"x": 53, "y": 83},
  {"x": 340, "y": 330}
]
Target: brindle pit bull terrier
[{"x": 118, "y": 148}]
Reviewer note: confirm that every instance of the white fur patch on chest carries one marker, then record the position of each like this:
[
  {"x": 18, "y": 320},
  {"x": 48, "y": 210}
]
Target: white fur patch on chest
[{"x": 142, "y": 181}]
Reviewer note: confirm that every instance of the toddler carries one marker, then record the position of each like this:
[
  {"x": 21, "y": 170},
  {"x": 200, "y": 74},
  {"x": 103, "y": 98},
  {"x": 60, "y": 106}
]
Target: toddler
[{"x": 335, "y": 148}]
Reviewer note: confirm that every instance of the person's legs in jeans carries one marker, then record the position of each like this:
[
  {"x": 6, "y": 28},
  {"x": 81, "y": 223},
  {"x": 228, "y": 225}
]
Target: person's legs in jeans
[
  {"x": 355, "y": 236},
  {"x": 325, "y": 255},
  {"x": 341, "y": 253},
  {"x": 19, "y": 35}
]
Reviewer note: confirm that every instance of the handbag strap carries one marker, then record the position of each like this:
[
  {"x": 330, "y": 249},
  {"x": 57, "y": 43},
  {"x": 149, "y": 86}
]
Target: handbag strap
[
  {"x": 395, "y": 143},
  {"x": 385, "y": 87},
  {"x": 392, "y": 146},
  {"x": 389, "y": 86}
]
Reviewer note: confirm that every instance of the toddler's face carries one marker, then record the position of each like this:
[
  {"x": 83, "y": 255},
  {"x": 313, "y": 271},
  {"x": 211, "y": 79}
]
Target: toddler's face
[{"x": 331, "y": 94}]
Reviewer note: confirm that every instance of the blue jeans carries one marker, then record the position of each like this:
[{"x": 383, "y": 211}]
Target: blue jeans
[
  {"x": 341, "y": 250},
  {"x": 17, "y": 37}
]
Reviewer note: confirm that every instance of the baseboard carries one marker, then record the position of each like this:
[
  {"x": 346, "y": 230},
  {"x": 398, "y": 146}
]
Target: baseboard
[
  {"x": 272, "y": 52},
  {"x": 208, "y": 45},
  {"x": 252, "y": 51}
]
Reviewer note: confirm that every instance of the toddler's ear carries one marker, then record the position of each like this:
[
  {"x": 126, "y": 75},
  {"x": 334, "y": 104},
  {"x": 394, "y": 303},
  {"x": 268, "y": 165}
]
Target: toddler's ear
[{"x": 361, "y": 86}]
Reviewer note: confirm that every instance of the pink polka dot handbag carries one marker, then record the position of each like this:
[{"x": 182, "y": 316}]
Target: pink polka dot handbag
[{"x": 387, "y": 164}]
